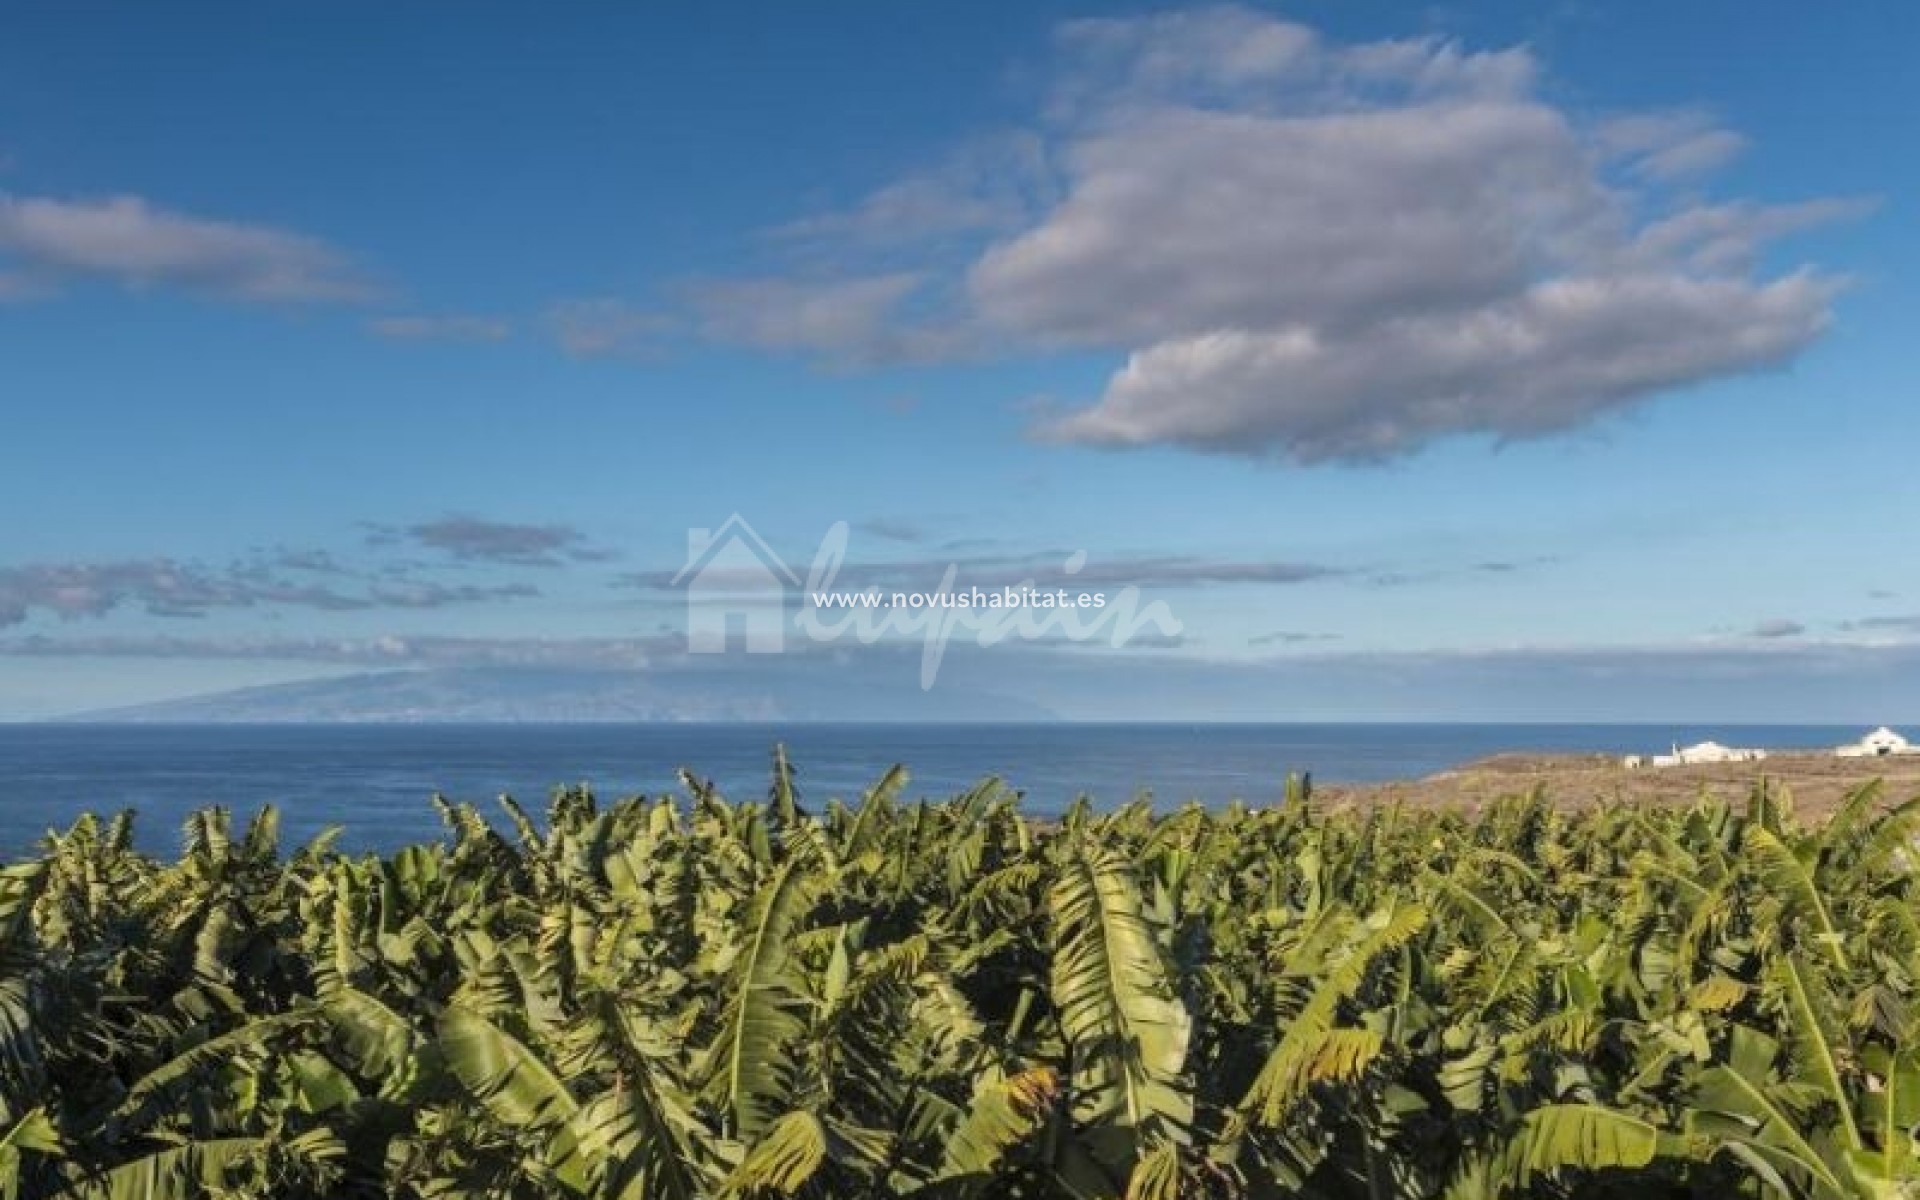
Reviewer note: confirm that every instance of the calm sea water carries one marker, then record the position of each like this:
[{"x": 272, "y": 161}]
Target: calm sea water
[{"x": 376, "y": 780}]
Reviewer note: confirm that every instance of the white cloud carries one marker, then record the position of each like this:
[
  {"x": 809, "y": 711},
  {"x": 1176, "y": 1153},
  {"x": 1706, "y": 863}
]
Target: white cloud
[
  {"x": 389, "y": 650},
  {"x": 843, "y": 319},
  {"x": 990, "y": 184},
  {"x": 605, "y": 327},
  {"x": 1549, "y": 360},
  {"x": 1428, "y": 67},
  {"x": 1670, "y": 146},
  {"x": 1217, "y": 51},
  {"x": 445, "y": 328},
  {"x": 1725, "y": 239},
  {"x": 129, "y": 241},
  {"x": 281, "y": 578},
  {"x": 478, "y": 540},
  {"x": 1186, "y": 222},
  {"x": 1314, "y": 252},
  {"x": 1398, "y": 242},
  {"x": 16, "y": 287}
]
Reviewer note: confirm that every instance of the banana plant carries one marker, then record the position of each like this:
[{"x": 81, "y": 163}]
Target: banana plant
[{"x": 882, "y": 995}]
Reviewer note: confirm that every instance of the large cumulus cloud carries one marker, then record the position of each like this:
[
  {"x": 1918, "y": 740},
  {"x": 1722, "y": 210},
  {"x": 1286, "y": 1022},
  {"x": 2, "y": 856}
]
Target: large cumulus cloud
[{"x": 1321, "y": 252}]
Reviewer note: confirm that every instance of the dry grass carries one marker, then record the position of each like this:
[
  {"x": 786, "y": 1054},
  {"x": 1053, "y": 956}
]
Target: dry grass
[{"x": 1816, "y": 781}]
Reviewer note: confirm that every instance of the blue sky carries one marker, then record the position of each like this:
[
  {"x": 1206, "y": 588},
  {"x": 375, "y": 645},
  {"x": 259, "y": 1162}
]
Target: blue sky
[{"x": 1501, "y": 360}]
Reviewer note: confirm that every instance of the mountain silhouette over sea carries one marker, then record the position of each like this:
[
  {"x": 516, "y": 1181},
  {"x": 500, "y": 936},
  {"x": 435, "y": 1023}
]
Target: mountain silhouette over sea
[{"x": 551, "y": 695}]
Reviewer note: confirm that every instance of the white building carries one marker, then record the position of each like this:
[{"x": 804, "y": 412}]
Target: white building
[
  {"x": 1704, "y": 752},
  {"x": 1881, "y": 743}
]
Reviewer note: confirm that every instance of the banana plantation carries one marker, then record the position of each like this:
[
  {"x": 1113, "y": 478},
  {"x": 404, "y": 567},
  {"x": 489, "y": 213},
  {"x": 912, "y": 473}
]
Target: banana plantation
[{"x": 695, "y": 996}]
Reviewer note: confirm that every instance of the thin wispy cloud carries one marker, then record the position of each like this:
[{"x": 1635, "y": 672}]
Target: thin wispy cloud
[
  {"x": 1508, "y": 566},
  {"x": 1396, "y": 577},
  {"x": 168, "y": 588},
  {"x": 48, "y": 242},
  {"x": 287, "y": 558},
  {"x": 477, "y": 540},
  {"x": 159, "y": 587},
  {"x": 1056, "y": 569},
  {"x": 1902, "y": 623},
  {"x": 839, "y": 320},
  {"x": 311, "y": 579},
  {"x": 442, "y": 328},
  {"x": 16, "y": 287},
  {"x": 891, "y": 529},
  {"x": 606, "y": 327},
  {"x": 385, "y": 651},
  {"x": 1670, "y": 146},
  {"x": 990, "y": 184},
  {"x": 429, "y": 594},
  {"x": 1289, "y": 637}
]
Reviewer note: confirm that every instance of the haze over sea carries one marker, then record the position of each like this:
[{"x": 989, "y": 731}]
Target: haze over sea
[{"x": 376, "y": 780}]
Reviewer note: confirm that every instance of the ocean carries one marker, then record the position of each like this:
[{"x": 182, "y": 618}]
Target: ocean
[{"x": 376, "y": 780}]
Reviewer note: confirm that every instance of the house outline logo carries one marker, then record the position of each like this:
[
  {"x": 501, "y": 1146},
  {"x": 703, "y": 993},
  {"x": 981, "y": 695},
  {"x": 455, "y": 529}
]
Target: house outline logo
[{"x": 733, "y": 576}]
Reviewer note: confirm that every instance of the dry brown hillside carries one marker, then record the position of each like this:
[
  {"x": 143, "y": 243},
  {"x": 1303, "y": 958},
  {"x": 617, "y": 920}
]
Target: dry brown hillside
[{"x": 1816, "y": 781}]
